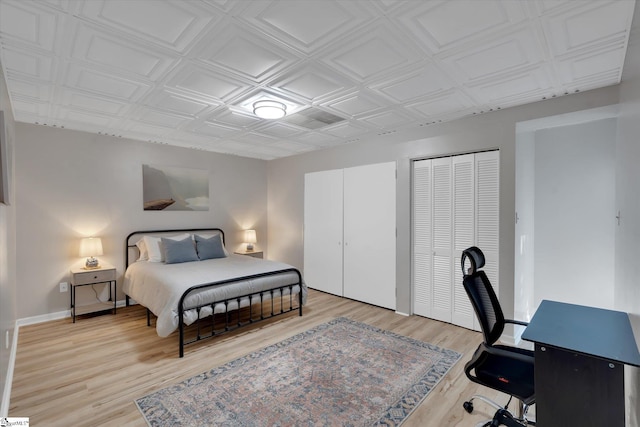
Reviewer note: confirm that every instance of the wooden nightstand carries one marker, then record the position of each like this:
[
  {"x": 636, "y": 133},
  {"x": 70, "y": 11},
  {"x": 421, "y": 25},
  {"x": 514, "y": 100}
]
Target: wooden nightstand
[
  {"x": 254, "y": 254},
  {"x": 83, "y": 277}
]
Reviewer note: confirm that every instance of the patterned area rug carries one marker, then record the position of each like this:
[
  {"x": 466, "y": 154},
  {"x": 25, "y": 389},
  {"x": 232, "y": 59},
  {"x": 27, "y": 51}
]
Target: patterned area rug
[{"x": 341, "y": 373}]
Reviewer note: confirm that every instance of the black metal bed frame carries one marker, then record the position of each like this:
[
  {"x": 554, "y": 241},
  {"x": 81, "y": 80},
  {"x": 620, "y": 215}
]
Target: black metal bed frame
[{"x": 210, "y": 330}]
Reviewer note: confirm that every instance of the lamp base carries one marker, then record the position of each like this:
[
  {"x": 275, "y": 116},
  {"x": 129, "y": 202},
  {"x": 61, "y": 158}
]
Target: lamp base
[
  {"x": 249, "y": 247},
  {"x": 91, "y": 263}
]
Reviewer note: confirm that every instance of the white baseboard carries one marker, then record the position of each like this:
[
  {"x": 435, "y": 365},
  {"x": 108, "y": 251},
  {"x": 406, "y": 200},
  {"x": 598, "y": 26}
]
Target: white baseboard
[
  {"x": 53, "y": 316},
  {"x": 402, "y": 314},
  {"x": 6, "y": 395}
]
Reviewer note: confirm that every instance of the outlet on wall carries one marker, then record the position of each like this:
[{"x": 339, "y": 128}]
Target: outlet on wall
[{"x": 64, "y": 287}]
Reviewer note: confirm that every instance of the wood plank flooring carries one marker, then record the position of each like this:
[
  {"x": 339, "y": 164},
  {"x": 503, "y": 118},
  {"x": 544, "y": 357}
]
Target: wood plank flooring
[{"x": 90, "y": 372}]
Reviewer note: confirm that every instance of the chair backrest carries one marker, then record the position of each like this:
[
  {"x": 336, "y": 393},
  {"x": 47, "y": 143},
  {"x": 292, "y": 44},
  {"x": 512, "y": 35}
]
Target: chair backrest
[{"x": 482, "y": 297}]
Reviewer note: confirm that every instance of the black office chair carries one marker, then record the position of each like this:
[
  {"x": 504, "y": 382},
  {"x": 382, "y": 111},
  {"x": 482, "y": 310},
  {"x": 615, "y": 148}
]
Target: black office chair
[{"x": 500, "y": 367}]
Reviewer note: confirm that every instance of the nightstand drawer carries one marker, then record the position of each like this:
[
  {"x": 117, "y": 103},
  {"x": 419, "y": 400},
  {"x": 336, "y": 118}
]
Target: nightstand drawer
[{"x": 93, "y": 277}]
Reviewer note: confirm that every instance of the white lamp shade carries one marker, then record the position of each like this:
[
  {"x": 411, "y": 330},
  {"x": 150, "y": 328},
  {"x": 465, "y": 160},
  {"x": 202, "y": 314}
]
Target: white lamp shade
[
  {"x": 90, "y": 247},
  {"x": 250, "y": 236}
]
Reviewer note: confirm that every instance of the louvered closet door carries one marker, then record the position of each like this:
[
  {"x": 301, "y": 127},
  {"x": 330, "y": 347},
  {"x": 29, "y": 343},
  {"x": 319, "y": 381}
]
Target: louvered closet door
[
  {"x": 442, "y": 261},
  {"x": 422, "y": 239},
  {"x": 463, "y": 234},
  {"x": 488, "y": 212},
  {"x": 323, "y": 230},
  {"x": 455, "y": 205}
]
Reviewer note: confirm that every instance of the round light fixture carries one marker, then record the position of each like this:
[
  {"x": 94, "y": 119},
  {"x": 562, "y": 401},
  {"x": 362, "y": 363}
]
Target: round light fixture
[{"x": 269, "y": 109}]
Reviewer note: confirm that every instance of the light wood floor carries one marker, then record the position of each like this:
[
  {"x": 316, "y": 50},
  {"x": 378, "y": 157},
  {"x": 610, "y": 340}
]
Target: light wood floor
[{"x": 90, "y": 372}]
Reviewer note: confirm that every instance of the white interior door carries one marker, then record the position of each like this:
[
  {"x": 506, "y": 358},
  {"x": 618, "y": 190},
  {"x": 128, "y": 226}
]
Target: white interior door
[
  {"x": 488, "y": 213},
  {"x": 464, "y": 203},
  {"x": 323, "y": 207},
  {"x": 370, "y": 234},
  {"x": 455, "y": 206},
  {"x": 442, "y": 236},
  {"x": 422, "y": 239}
]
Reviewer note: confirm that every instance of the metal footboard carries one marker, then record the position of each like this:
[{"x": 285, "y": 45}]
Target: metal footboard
[{"x": 206, "y": 326}]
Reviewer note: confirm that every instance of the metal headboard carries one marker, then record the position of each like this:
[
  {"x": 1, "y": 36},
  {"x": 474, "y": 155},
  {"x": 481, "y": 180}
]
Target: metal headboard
[{"x": 131, "y": 250}]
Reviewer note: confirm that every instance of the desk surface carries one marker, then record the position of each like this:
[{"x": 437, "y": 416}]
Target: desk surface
[{"x": 588, "y": 330}]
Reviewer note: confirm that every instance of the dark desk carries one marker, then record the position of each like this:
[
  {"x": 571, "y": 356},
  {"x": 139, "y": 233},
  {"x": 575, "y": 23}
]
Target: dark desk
[{"x": 580, "y": 353}]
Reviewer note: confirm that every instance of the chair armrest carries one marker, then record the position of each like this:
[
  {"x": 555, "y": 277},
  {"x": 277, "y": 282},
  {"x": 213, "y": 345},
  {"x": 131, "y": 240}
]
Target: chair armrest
[{"x": 516, "y": 322}]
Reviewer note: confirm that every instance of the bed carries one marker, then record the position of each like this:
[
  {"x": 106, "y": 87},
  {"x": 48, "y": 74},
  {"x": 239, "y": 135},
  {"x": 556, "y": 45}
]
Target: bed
[{"x": 192, "y": 284}]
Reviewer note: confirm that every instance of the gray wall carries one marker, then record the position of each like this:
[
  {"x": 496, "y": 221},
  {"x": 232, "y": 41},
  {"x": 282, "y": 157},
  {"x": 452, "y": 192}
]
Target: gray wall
[
  {"x": 487, "y": 131},
  {"x": 72, "y": 184},
  {"x": 575, "y": 214},
  {"x": 7, "y": 258},
  {"x": 627, "y": 267}
]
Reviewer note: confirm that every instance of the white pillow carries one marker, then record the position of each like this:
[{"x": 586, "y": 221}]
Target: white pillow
[
  {"x": 142, "y": 250},
  {"x": 154, "y": 246}
]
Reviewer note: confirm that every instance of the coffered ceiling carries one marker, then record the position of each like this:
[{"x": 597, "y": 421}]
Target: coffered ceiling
[{"x": 186, "y": 72}]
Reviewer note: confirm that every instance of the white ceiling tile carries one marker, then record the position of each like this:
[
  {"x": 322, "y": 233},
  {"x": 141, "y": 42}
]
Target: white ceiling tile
[
  {"x": 517, "y": 88},
  {"x": 110, "y": 52},
  {"x": 292, "y": 146},
  {"x": 592, "y": 23},
  {"x": 19, "y": 62},
  {"x": 105, "y": 83},
  {"x": 506, "y": 54},
  {"x": 147, "y": 129},
  {"x": 29, "y": 89},
  {"x": 244, "y": 53},
  {"x": 92, "y": 102},
  {"x": 442, "y": 25},
  {"x": 159, "y": 118},
  {"x": 373, "y": 54},
  {"x": 307, "y": 25},
  {"x": 177, "y": 103},
  {"x": 214, "y": 130},
  {"x": 318, "y": 139},
  {"x": 388, "y": 119},
  {"x": 312, "y": 83},
  {"x": 31, "y": 107},
  {"x": 19, "y": 21},
  {"x": 427, "y": 80},
  {"x": 591, "y": 65},
  {"x": 446, "y": 104},
  {"x": 346, "y": 130},
  {"x": 205, "y": 84},
  {"x": 279, "y": 130},
  {"x": 355, "y": 105},
  {"x": 82, "y": 116},
  {"x": 172, "y": 24},
  {"x": 233, "y": 118}
]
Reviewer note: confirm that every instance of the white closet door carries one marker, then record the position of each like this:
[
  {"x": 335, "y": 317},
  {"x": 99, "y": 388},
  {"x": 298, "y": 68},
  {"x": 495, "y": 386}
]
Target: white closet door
[
  {"x": 422, "y": 239},
  {"x": 455, "y": 206},
  {"x": 464, "y": 201},
  {"x": 323, "y": 206},
  {"x": 442, "y": 235},
  {"x": 370, "y": 234},
  {"x": 488, "y": 212}
]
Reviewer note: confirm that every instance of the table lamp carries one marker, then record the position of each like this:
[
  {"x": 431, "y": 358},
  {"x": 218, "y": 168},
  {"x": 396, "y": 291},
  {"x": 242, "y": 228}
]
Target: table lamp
[
  {"x": 90, "y": 247},
  {"x": 250, "y": 239}
]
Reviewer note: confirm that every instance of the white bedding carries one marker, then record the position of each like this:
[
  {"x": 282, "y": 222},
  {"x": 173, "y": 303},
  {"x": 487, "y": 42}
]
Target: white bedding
[{"x": 159, "y": 286}]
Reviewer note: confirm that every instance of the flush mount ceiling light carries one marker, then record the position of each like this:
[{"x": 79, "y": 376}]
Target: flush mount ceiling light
[{"x": 269, "y": 109}]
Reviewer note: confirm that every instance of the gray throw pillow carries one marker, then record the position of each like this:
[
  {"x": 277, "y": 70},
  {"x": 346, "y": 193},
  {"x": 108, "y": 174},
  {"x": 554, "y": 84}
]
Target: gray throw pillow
[
  {"x": 210, "y": 248},
  {"x": 176, "y": 251}
]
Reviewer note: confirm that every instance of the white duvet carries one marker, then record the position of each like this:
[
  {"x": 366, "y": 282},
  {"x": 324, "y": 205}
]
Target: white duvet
[{"x": 159, "y": 286}]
